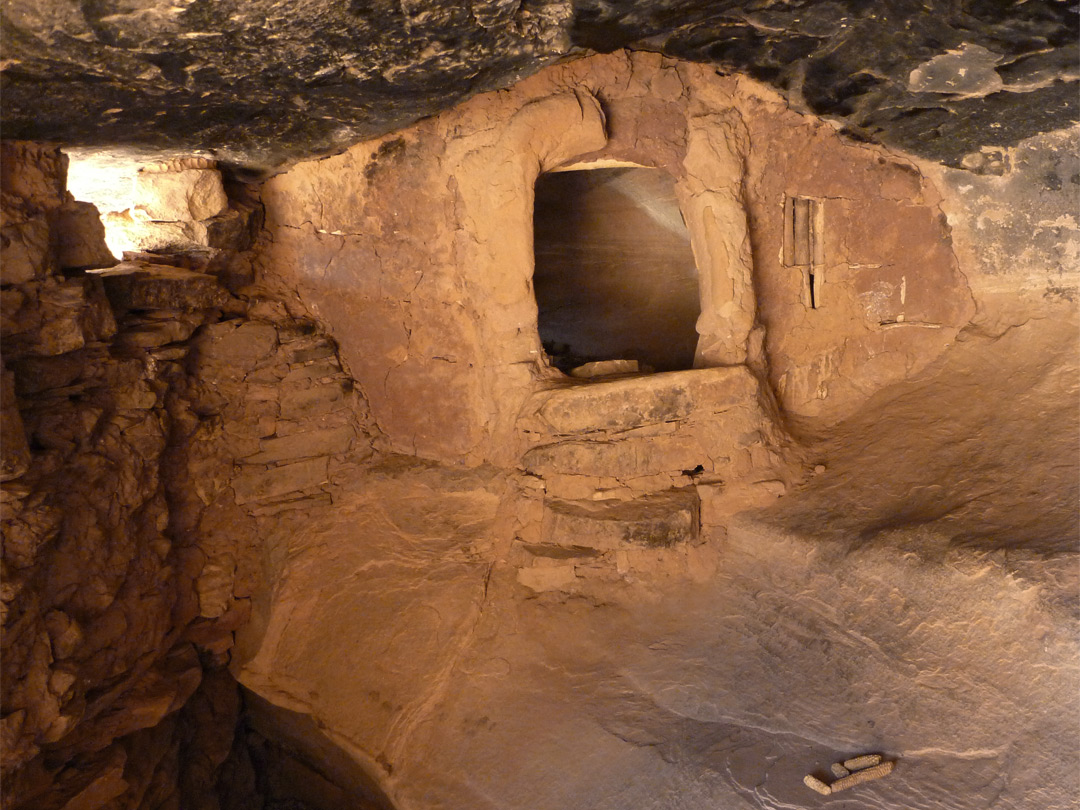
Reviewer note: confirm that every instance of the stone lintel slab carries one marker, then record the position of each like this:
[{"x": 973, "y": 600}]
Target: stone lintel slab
[
  {"x": 138, "y": 286},
  {"x": 627, "y": 458},
  {"x": 625, "y": 404}
]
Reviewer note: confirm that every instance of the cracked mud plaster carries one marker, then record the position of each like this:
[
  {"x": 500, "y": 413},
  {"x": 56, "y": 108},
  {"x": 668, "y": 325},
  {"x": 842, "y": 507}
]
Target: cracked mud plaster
[{"x": 429, "y": 289}]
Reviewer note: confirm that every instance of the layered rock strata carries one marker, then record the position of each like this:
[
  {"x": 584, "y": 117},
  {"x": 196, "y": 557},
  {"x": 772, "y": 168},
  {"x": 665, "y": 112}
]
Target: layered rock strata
[
  {"x": 152, "y": 420},
  {"x": 942, "y": 81}
]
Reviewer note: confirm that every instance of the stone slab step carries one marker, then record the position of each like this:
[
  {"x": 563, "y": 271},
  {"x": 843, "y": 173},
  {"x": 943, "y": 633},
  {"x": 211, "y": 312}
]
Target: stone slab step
[
  {"x": 138, "y": 286},
  {"x": 625, "y": 404},
  {"x": 658, "y": 521}
]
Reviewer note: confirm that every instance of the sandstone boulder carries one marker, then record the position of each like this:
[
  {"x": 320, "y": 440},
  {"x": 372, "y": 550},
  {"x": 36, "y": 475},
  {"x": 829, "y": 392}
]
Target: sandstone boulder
[
  {"x": 24, "y": 251},
  {"x": 79, "y": 237},
  {"x": 178, "y": 196}
]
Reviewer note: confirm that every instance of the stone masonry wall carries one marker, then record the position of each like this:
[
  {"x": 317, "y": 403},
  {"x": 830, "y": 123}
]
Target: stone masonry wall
[{"x": 154, "y": 423}]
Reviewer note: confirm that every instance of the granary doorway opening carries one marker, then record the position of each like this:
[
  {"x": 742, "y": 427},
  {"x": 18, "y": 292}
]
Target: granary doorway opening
[{"x": 615, "y": 277}]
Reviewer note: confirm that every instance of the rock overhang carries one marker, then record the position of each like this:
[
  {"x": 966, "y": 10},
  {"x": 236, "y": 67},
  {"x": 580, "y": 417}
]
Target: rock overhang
[{"x": 261, "y": 86}]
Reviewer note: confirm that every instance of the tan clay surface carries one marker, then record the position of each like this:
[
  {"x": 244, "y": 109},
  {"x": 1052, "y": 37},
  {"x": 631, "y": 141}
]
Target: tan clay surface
[{"x": 874, "y": 608}]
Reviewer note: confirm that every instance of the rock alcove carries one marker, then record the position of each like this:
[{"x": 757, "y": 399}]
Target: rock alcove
[{"x": 301, "y": 510}]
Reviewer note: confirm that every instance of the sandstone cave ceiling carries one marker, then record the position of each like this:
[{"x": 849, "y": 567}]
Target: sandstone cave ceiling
[{"x": 261, "y": 83}]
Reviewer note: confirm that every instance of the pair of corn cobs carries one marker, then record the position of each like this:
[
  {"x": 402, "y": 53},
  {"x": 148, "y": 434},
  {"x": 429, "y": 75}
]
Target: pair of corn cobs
[{"x": 851, "y": 772}]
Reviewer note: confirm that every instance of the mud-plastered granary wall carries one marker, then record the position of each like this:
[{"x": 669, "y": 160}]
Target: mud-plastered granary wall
[
  {"x": 578, "y": 496},
  {"x": 892, "y": 294}
]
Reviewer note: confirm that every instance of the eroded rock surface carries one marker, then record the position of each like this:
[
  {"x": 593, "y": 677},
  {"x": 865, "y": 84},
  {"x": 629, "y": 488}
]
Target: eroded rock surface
[{"x": 263, "y": 84}]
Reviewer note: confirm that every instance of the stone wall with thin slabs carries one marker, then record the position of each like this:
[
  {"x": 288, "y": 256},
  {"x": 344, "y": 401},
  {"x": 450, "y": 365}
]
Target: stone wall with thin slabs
[
  {"x": 158, "y": 433},
  {"x": 416, "y": 248}
]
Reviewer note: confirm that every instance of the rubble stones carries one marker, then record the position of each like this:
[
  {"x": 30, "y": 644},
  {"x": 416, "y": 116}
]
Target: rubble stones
[
  {"x": 80, "y": 237},
  {"x": 177, "y": 196}
]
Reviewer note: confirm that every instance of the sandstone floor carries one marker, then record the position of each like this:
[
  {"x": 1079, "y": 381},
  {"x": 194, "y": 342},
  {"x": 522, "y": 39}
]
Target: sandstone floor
[{"x": 916, "y": 596}]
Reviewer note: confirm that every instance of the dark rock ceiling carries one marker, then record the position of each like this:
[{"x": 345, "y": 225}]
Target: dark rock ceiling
[{"x": 265, "y": 82}]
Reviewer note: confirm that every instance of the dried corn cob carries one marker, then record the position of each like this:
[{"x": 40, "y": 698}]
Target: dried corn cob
[
  {"x": 865, "y": 775},
  {"x": 814, "y": 783},
  {"x": 865, "y": 761}
]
